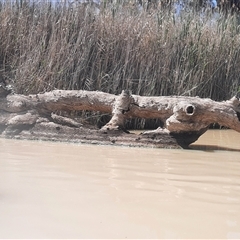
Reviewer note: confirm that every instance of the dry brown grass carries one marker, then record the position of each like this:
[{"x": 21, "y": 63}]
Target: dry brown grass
[{"x": 44, "y": 47}]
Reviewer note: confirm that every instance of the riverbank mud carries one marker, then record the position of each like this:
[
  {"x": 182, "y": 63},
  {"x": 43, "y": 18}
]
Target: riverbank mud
[{"x": 50, "y": 131}]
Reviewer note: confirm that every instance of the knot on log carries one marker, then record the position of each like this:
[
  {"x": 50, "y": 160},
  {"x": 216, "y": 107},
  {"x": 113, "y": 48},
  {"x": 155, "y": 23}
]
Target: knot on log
[{"x": 190, "y": 109}]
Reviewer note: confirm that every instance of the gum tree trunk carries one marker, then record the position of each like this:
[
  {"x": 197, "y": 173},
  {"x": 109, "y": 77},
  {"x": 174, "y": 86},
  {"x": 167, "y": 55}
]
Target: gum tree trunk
[{"x": 184, "y": 118}]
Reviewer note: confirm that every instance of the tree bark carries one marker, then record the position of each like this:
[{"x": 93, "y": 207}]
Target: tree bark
[{"x": 184, "y": 118}]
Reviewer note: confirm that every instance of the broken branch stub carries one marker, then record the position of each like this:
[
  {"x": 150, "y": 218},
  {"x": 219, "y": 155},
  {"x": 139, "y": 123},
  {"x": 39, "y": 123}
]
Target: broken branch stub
[
  {"x": 184, "y": 118},
  {"x": 120, "y": 108}
]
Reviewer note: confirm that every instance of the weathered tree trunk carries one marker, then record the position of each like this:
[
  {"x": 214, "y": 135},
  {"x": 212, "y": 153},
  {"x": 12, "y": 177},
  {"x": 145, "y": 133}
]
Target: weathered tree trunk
[{"x": 184, "y": 118}]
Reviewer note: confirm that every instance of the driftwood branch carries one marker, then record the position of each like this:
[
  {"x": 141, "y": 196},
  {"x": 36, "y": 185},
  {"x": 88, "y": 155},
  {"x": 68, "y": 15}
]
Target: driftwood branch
[{"x": 184, "y": 118}]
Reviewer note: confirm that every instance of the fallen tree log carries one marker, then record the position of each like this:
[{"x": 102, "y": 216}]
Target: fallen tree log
[{"x": 184, "y": 118}]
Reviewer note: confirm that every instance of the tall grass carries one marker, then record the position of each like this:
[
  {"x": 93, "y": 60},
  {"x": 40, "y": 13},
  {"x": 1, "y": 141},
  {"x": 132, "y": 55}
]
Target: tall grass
[{"x": 155, "y": 52}]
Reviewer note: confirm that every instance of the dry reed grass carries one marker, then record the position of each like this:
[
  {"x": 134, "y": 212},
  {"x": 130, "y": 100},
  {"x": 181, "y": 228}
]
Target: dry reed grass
[{"x": 44, "y": 47}]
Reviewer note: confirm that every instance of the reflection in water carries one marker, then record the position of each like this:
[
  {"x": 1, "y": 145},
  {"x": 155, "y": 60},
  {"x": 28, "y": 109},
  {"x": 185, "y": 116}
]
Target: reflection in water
[
  {"x": 213, "y": 148},
  {"x": 57, "y": 190}
]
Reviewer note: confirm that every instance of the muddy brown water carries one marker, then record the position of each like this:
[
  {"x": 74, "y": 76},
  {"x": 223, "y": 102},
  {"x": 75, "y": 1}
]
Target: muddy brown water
[{"x": 60, "y": 190}]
